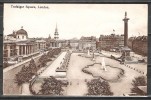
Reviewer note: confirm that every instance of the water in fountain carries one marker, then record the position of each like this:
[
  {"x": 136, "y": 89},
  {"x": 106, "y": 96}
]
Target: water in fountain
[
  {"x": 88, "y": 53},
  {"x": 103, "y": 65}
]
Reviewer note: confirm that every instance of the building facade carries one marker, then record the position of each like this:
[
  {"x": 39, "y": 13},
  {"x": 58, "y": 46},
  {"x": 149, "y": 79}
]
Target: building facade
[
  {"x": 138, "y": 45},
  {"x": 108, "y": 42},
  {"x": 86, "y": 43},
  {"x": 54, "y": 42},
  {"x": 18, "y": 44}
]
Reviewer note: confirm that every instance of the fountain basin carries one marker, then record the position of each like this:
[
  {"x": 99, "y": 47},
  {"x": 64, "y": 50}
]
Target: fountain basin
[
  {"x": 88, "y": 56},
  {"x": 113, "y": 74},
  {"x": 85, "y": 55}
]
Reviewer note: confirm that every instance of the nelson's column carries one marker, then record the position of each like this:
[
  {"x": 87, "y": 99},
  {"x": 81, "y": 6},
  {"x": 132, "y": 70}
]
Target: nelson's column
[
  {"x": 125, "y": 50},
  {"x": 125, "y": 29}
]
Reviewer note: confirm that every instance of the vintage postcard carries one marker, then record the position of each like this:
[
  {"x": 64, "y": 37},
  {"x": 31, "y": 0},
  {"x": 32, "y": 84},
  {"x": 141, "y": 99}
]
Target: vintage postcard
[{"x": 75, "y": 49}]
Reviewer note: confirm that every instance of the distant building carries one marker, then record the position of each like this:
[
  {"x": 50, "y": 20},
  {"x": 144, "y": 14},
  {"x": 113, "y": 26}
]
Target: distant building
[
  {"x": 130, "y": 42},
  {"x": 53, "y": 42},
  {"x": 107, "y": 42},
  {"x": 18, "y": 44},
  {"x": 83, "y": 44},
  {"x": 19, "y": 35},
  {"x": 41, "y": 44},
  {"x": 74, "y": 44},
  {"x": 91, "y": 38},
  {"x": 11, "y": 36},
  {"x": 138, "y": 44},
  {"x": 87, "y": 43}
]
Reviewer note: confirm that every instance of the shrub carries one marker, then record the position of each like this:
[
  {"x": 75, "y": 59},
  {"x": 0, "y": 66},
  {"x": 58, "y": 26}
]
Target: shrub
[
  {"x": 98, "y": 87},
  {"x": 138, "y": 81},
  {"x": 52, "y": 86}
]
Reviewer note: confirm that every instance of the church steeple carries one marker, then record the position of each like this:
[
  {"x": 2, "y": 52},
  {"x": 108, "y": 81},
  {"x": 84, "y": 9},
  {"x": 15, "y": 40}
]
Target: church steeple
[
  {"x": 49, "y": 36},
  {"x": 56, "y": 30},
  {"x": 56, "y": 35}
]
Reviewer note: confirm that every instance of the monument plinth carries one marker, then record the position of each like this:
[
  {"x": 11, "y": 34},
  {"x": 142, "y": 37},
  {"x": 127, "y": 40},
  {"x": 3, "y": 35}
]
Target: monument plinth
[{"x": 125, "y": 50}]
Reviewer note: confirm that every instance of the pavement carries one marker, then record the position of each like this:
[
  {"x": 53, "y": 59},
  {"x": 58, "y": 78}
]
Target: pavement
[
  {"x": 76, "y": 78},
  {"x": 140, "y": 67},
  {"x": 25, "y": 89},
  {"x": 50, "y": 70},
  {"x": 124, "y": 85}
]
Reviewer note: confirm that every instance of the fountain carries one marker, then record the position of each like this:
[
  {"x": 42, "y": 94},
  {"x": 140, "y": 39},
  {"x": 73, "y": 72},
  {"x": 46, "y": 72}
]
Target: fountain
[
  {"x": 103, "y": 65},
  {"x": 88, "y": 53},
  {"x": 102, "y": 70},
  {"x": 93, "y": 59}
]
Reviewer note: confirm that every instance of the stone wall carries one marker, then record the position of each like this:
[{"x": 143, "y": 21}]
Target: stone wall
[{"x": 9, "y": 85}]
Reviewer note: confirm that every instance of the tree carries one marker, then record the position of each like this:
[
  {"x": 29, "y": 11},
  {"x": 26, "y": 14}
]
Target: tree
[
  {"x": 26, "y": 73},
  {"x": 32, "y": 67},
  {"x": 57, "y": 51},
  {"x": 138, "y": 81},
  {"x": 52, "y": 86},
  {"x": 50, "y": 54},
  {"x": 43, "y": 60},
  {"x": 23, "y": 76},
  {"x": 98, "y": 87}
]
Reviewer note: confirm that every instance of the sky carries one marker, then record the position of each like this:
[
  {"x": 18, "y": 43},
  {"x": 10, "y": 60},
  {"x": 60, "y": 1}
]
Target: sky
[{"x": 75, "y": 20}]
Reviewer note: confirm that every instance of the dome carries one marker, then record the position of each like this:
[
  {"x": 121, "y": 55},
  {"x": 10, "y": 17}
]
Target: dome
[{"x": 21, "y": 32}]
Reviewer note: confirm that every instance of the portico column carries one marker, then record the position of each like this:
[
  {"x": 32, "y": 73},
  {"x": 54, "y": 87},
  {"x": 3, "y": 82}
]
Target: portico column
[
  {"x": 25, "y": 50},
  {"x": 34, "y": 48},
  {"x": 30, "y": 49},
  {"x": 21, "y": 49}
]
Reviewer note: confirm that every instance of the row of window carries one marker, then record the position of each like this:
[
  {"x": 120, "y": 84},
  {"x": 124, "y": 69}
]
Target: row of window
[{"x": 22, "y": 37}]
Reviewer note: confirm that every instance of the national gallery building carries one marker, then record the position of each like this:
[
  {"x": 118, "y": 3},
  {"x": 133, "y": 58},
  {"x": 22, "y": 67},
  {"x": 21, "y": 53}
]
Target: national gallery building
[{"x": 18, "y": 45}]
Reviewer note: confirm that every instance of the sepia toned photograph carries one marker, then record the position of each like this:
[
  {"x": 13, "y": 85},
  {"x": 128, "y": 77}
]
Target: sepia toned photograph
[{"x": 75, "y": 49}]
